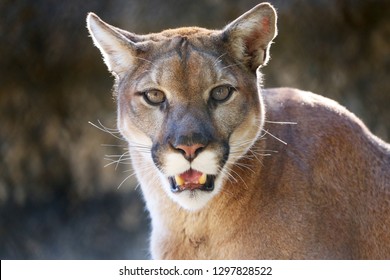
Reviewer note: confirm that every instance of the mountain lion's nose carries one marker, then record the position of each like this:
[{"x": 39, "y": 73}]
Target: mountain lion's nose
[{"x": 190, "y": 152}]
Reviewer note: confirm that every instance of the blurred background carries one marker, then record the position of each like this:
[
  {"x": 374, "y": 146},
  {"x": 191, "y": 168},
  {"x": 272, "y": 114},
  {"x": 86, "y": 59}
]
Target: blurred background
[{"x": 57, "y": 198}]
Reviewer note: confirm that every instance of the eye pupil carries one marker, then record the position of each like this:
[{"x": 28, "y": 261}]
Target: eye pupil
[
  {"x": 221, "y": 93},
  {"x": 154, "y": 97}
]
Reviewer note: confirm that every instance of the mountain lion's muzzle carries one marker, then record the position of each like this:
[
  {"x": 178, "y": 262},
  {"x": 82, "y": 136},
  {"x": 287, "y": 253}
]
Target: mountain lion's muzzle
[{"x": 190, "y": 141}]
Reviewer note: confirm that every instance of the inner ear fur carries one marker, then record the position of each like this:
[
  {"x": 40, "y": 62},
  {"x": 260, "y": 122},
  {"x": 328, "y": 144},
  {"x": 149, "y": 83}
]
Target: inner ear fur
[
  {"x": 118, "y": 47},
  {"x": 249, "y": 37}
]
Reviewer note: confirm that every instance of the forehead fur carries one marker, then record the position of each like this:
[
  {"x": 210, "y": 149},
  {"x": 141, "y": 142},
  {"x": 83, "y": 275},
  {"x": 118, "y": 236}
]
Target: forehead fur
[
  {"x": 182, "y": 43},
  {"x": 181, "y": 40},
  {"x": 187, "y": 32}
]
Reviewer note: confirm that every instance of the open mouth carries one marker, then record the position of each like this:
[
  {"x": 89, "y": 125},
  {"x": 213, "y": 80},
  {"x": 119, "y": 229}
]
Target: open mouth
[{"x": 192, "y": 180}]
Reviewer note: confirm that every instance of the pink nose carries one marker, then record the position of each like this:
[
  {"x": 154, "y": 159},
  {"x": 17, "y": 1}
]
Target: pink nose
[{"x": 190, "y": 152}]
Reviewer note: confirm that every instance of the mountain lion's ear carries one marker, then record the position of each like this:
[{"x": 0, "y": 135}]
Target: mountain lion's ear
[
  {"x": 249, "y": 37},
  {"x": 117, "y": 46}
]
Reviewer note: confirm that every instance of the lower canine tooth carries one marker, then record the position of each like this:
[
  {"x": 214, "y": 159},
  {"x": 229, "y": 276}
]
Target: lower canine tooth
[
  {"x": 179, "y": 180},
  {"x": 202, "y": 179}
]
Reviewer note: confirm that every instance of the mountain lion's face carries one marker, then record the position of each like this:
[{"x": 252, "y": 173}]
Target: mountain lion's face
[
  {"x": 196, "y": 111},
  {"x": 188, "y": 103}
]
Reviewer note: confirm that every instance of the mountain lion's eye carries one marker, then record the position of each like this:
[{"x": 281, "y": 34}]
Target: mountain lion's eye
[
  {"x": 221, "y": 93},
  {"x": 154, "y": 97}
]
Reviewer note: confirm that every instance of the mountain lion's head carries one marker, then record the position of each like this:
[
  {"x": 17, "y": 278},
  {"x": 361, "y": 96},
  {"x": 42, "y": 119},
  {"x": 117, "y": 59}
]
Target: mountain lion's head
[{"x": 189, "y": 101}]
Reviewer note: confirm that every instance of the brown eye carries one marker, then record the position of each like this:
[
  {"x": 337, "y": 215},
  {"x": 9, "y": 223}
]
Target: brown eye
[
  {"x": 154, "y": 97},
  {"x": 221, "y": 93}
]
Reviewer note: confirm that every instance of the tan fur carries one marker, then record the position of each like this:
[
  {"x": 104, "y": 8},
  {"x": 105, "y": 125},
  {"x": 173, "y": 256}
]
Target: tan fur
[{"x": 304, "y": 179}]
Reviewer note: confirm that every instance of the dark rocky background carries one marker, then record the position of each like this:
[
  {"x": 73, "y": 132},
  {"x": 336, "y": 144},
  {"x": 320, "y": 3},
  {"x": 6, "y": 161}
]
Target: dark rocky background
[{"x": 57, "y": 200}]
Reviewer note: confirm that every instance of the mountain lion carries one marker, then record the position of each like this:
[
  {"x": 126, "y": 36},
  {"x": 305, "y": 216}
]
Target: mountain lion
[{"x": 229, "y": 170}]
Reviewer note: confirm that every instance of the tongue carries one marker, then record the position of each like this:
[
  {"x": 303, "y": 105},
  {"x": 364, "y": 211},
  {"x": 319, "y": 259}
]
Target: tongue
[{"x": 191, "y": 176}]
